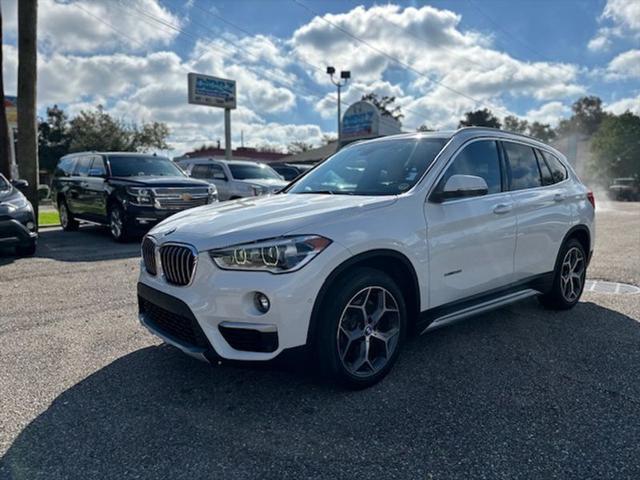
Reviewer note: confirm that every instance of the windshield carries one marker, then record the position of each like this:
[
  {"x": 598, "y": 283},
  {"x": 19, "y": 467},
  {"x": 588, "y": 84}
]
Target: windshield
[
  {"x": 143, "y": 166},
  {"x": 388, "y": 167},
  {"x": 4, "y": 185},
  {"x": 251, "y": 171}
]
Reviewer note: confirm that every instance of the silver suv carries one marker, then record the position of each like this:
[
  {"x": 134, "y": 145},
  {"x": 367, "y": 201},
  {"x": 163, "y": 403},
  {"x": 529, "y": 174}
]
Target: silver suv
[{"x": 235, "y": 178}]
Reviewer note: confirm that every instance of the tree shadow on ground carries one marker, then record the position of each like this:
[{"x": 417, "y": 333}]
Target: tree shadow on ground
[{"x": 517, "y": 393}]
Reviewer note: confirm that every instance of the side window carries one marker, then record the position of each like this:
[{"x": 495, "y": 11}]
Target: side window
[
  {"x": 216, "y": 172},
  {"x": 200, "y": 171},
  {"x": 65, "y": 167},
  {"x": 558, "y": 170},
  {"x": 480, "y": 159},
  {"x": 524, "y": 166},
  {"x": 547, "y": 178},
  {"x": 97, "y": 167},
  {"x": 83, "y": 165}
]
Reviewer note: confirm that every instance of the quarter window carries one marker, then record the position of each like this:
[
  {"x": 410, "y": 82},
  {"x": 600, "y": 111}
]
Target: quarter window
[
  {"x": 547, "y": 178},
  {"x": 558, "y": 170},
  {"x": 97, "y": 168},
  {"x": 524, "y": 166},
  {"x": 83, "y": 166},
  {"x": 65, "y": 167},
  {"x": 480, "y": 159}
]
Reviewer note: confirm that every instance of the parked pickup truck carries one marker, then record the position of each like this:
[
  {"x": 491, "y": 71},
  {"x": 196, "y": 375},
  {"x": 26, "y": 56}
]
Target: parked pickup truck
[{"x": 128, "y": 192}]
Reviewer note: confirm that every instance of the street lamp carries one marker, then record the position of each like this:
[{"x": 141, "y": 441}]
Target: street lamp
[{"x": 345, "y": 75}]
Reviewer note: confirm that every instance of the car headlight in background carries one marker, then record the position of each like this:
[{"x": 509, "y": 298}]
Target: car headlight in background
[
  {"x": 258, "y": 190},
  {"x": 141, "y": 196},
  {"x": 213, "y": 193},
  {"x": 16, "y": 203},
  {"x": 278, "y": 255}
]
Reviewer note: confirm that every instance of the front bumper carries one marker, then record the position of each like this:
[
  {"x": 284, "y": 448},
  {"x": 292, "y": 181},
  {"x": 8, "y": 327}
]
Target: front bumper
[
  {"x": 216, "y": 316},
  {"x": 12, "y": 232}
]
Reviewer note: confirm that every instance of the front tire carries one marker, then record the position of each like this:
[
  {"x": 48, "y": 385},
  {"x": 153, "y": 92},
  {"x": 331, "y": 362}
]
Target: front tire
[
  {"x": 363, "y": 321},
  {"x": 568, "y": 279},
  {"x": 118, "y": 224}
]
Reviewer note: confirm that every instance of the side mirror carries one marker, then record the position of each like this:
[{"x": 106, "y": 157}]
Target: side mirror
[
  {"x": 460, "y": 186},
  {"x": 20, "y": 184}
]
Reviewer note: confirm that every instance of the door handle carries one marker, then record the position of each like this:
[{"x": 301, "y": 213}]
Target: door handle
[
  {"x": 502, "y": 208},
  {"x": 558, "y": 197}
]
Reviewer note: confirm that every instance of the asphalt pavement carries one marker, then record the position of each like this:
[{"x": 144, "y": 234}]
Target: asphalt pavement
[{"x": 521, "y": 392}]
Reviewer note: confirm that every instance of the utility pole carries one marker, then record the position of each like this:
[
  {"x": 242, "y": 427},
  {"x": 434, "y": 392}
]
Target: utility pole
[
  {"x": 27, "y": 151},
  {"x": 227, "y": 133},
  {"x": 345, "y": 75},
  {"x": 5, "y": 140}
]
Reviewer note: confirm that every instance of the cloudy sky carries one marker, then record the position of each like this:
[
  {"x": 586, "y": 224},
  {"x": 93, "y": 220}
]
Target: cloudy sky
[{"x": 531, "y": 58}]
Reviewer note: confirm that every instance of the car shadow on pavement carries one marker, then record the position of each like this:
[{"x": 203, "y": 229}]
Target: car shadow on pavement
[
  {"x": 89, "y": 243},
  {"x": 517, "y": 393}
]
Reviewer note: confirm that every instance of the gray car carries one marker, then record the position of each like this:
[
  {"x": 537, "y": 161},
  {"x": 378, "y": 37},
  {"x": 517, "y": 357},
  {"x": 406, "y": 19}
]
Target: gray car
[
  {"x": 17, "y": 220},
  {"x": 235, "y": 178}
]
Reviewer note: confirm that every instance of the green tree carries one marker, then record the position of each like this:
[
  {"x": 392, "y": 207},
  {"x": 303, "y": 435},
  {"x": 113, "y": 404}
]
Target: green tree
[
  {"x": 616, "y": 147},
  {"x": 587, "y": 116},
  {"x": 542, "y": 131},
  {"x": 480, "y": 118},
  {"x": 97, "y": 130},
  {"x": 424, "y": 128},
  {"x": 385, "y": 105},
  {"x": 514, "y": 124},
  {"x": 53, "y": 138}
]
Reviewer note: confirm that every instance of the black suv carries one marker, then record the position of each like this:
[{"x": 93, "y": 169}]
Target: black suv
[
  {"x": 17, "y": 221},
  {"x": 129, "y": 192}
]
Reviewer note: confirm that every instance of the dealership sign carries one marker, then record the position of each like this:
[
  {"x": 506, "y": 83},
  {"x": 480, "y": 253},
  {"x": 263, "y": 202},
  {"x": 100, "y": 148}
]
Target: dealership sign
[
  {"x": 364, "y": 120},
  {"x": 212, "y": 91}
]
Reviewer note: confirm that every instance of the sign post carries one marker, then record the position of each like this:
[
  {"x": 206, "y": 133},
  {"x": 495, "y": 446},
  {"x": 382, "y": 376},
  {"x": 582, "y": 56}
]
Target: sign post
[{"x": 215, "y": 92}]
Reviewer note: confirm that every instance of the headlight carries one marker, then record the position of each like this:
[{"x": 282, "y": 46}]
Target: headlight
[
  {"x": 15, "y": 204},
  {"x": 258, "y": 190},
  {"x": 141, "y": 196},
  {"x": 278, "y": 255},
  {"x": 213, "y": 193}
]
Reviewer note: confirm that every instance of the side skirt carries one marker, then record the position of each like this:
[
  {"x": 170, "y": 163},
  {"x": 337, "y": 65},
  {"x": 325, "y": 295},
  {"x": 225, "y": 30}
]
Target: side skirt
[{"x": 453, "y": 312}]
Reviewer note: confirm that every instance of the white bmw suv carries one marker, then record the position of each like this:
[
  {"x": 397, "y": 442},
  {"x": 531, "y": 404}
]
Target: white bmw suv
[{"x": 387, "y": 237}]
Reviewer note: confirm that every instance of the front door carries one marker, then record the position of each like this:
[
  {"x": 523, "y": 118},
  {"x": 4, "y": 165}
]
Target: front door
[{"x": 472, "y": 239}]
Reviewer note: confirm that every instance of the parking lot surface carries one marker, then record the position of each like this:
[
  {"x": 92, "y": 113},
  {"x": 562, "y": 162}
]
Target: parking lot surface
[{"x": 519, "y": 392}]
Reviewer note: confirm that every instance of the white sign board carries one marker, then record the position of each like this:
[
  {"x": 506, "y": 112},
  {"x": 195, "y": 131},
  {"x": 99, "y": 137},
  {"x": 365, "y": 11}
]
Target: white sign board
[{"x": 212, "y": 91}]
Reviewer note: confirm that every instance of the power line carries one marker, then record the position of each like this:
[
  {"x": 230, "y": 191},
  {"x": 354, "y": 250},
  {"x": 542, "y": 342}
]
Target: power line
[
  {"x": 398, "y": 61},
  {"x": 300, "y": 57}
]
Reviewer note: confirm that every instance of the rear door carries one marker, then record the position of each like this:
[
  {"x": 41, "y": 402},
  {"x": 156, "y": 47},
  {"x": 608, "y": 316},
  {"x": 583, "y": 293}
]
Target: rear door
[
  {"x": 77, "y": 198},
  {"x": 542, "y": 210},
  {"x": 471, "y": 239},
  {"x": 94, "y": 190}
]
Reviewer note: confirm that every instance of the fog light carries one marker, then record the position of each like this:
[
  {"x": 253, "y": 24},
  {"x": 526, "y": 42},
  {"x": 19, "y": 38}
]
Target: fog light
[
  {"x": 261, "y": 302},
  {"x": 31, "y": 226}
]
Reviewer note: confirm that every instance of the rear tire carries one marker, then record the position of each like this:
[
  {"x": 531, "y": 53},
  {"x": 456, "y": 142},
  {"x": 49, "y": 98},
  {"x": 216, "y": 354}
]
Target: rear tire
[
  {"x": 568, "y": 278},
  {"x": 68, "y": 223},
  {"x": 362, "y": 325},
  {"x": 118, "y": 225}
]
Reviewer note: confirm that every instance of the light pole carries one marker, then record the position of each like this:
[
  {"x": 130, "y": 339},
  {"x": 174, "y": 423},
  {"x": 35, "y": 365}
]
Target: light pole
[{"x": 345, "y": 75}]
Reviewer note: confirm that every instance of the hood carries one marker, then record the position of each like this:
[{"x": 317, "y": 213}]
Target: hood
[
  {"x": 160, "y": 181},
  {"x": 256, "y": 218}
]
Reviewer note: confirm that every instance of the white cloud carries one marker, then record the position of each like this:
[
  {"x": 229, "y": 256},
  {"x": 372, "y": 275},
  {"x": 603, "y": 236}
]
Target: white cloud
[
  {"x": 623, "y": 16},
  {"x": 625, "y": 65},
  {"x": 631, "y": 104},
  {"x": 550, "y": 113},
  {"x": 432, "y": 43},
  {"x": 80, "y": 26}
]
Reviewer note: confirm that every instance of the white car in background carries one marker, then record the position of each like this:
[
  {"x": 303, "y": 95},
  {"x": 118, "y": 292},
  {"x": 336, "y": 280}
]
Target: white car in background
[
  {"x": 235, "y": 178},
  {"x": 389, "y": 236}
]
